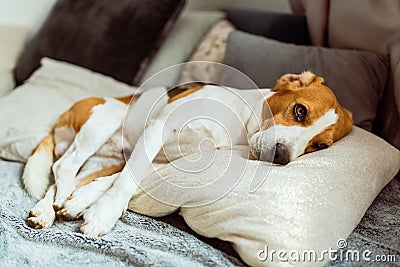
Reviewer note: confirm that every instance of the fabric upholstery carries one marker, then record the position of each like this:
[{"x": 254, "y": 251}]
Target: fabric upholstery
[{"x": 288, "y": 28}]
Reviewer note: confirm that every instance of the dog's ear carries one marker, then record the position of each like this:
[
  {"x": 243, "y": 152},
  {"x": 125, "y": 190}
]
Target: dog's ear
[
  {"x": 344, "y": 124},
  {"x": 296, "y": 81}
]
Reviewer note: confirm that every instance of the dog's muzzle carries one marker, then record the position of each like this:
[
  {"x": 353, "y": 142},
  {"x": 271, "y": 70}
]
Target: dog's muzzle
[{"x": 279, "y": 154}]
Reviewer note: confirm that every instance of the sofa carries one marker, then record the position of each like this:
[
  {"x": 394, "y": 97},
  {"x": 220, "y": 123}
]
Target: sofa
[{"x": 91, "y": 42}]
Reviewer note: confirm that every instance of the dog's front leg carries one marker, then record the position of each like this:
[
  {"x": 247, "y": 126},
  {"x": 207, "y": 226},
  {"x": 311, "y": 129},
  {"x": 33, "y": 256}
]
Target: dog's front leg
[
  {"x": 104, "y": 121},
  {"x": 104, "y": 213}
]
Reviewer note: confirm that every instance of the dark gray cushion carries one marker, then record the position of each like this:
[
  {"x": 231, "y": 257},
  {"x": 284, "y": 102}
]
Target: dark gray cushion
[
  {"x": 357, "y": 78},
  {"x": 115, "y": 38},
  {"x": 288, "y": 28}
]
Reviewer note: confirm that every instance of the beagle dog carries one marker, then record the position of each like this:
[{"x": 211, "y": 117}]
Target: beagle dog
[{"x": 85, "y": 152}]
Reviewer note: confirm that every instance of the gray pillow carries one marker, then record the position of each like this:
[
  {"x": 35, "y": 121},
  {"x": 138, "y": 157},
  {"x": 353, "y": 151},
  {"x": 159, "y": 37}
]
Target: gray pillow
[{"x": 357, "y": 78}]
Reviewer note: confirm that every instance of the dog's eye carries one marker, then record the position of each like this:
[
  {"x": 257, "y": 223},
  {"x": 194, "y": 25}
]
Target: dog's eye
[
  {"x": 300, "y": 112},
  {"x": 319, "y": 146}
]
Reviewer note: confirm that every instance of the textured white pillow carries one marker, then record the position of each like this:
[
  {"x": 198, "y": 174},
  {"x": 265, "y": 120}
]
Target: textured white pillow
[
  {"x": 12, "y": 40},
  {"x": 307, "y": 205},
  {"x": 29, "y": 112}
]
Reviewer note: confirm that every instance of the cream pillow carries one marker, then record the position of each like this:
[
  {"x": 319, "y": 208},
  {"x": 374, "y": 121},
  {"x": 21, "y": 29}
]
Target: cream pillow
[
  {"x": 309, "y": 204},
  {"x": 12, "y": 41},
  {"x": 29, "y": 112}
]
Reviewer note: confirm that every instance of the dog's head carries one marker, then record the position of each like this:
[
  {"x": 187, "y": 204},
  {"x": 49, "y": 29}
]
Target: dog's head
[{"x": 306, "y": 117}]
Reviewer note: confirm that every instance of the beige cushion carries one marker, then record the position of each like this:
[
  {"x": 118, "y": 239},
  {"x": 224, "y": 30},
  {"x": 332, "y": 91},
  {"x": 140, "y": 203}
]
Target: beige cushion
[
  {"x": 12, "y": 41},
  {"x": 309, "y": 204},
  {"x": 29, "y": 112},
  {"x": 212, "y": 48}
]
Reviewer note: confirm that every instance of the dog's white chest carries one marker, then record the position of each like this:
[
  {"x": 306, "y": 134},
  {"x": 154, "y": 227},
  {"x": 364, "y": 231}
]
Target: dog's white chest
[{"x": 195, "y": 137}]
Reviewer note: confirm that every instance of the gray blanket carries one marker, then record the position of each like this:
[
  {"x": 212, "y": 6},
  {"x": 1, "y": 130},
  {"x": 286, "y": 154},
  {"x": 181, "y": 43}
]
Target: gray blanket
[
  {"x": 139, "y": 240},
  {"x": 379, "y": 229},
  {"x": 136, "y": 240}
]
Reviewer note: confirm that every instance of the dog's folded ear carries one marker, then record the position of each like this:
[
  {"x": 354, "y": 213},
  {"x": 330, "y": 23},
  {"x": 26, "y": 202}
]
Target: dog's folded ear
[
  {"x": 344, "y": 124},
  {"x": 296, "y": 81}
]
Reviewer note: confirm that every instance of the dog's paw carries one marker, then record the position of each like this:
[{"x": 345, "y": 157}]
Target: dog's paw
[
  {"x": 71, "y": 210},
  {"x": 82, "y": 198},
  {"x": 63, "y": 193},
  {"x": 58, "y": 203},
  {"x": 74, "y": 206},
  {"x": 41, "y": 216},
  {"x": 101, "y": 217}
]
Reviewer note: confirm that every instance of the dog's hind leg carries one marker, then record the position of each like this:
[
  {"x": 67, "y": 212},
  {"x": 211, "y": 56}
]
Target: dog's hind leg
[
  {"x": 36, "y": 176},
  {"x": 105, "y": 118},
  {"x": 42, "y": 215},
  {"x": 37, "y": 171}
]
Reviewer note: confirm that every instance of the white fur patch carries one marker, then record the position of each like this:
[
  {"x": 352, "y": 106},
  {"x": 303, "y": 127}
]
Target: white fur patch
[{"x": 307, "y": 77}]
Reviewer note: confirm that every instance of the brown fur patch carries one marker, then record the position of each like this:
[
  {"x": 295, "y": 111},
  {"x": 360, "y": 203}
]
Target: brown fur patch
[
  {"x": 128, "y": 99},
  {"x": 105, "y": 171},
  {"x": 184, "y": 93},
  {"x": 326, "y": 137},
  {"x": 79, "y": 113},
  {"x": 47, "y": 144}
]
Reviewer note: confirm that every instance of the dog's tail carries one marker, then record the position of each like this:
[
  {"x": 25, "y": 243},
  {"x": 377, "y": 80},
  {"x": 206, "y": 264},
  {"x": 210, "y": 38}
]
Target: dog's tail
[{"x": 36, "y": 177}]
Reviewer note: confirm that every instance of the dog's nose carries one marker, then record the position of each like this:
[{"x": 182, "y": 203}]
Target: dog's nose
[{"x": 281, "y": 154}]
